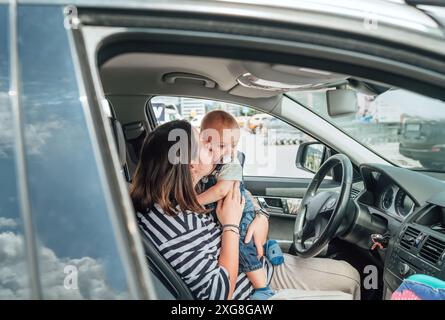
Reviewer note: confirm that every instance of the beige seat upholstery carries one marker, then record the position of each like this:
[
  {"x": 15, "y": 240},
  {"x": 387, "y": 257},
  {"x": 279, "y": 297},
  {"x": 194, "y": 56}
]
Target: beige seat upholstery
[{"x": 293, "y": 294}]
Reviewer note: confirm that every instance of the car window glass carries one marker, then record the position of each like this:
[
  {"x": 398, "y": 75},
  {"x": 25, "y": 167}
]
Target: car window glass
[
  {"x": 78, "y": 253},
  {"x": 269, "y": 144}
]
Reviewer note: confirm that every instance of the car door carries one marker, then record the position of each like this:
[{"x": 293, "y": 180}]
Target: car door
[{"x": 61, "y": 222}]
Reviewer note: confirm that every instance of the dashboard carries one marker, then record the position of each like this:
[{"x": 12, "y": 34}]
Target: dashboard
[
  {"x": 409, "y": 208},
  {"x": 384, "y": 195}
]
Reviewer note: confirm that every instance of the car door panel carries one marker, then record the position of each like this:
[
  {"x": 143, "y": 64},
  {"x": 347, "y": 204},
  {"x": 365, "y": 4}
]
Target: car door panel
[
  {"x": 282, "y": 197},
  {"x": 281, "y": 229},
  {"x": 282, "y": 187}
]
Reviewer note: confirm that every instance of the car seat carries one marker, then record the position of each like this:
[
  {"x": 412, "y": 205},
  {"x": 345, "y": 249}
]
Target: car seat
[{"x": 164, "y": 271}]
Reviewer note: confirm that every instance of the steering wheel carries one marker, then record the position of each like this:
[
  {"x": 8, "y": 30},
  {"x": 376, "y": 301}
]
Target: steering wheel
[{"x": 320, "y": 216}]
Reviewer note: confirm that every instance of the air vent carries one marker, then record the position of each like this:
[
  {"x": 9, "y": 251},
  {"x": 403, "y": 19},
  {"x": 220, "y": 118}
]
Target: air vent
[
  {"x": 354, "y": 193},
  {"x": 409, "y": 237},
  {"x": 432, "y": 250}
]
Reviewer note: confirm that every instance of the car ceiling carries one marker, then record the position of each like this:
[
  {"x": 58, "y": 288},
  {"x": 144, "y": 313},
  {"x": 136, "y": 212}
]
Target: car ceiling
[{"x": 148, "y": 74}]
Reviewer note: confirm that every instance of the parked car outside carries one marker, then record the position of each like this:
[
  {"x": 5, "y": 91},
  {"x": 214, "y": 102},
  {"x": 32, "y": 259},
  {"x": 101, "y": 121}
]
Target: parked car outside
[{"x": 423, "y": 140}]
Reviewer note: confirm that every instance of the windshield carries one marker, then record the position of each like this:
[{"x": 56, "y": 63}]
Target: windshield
[{"x": 403, "y": 127}]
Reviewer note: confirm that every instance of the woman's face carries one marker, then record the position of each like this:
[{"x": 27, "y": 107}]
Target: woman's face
[{"x": 203, "y": 164}]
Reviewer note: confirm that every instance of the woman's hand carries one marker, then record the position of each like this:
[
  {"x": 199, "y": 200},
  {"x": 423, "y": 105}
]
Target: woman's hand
[
  {"x": 230, "y": 209},
  {"x": 259, "y": 229}
]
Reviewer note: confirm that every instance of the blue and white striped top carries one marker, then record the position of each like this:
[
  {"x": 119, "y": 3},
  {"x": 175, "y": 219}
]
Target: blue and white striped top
[{"x": 191, "y": 243}]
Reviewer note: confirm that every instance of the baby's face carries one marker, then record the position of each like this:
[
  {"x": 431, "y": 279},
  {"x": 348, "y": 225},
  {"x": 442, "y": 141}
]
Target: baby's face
[
  {"x": 224, "y": 142},
  {"x": 227, "y": 145}
]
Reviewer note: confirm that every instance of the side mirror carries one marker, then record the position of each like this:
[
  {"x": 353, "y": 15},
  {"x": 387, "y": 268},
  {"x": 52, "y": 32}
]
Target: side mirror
[{"x": 310, "y": 156}]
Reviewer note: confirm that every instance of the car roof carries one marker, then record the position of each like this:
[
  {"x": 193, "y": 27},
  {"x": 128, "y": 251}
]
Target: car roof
[{"x": 384, "y": 19}]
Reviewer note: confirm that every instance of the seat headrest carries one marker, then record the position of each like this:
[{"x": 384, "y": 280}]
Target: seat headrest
[{"x": 120, "y": 141}]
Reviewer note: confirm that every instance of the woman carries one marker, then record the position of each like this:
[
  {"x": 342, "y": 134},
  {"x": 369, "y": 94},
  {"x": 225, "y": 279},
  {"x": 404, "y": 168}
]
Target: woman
[{"x": 203, "y": 251}]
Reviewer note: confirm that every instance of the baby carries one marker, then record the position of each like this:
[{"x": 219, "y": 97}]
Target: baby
[{"x": 221, "y": 131}]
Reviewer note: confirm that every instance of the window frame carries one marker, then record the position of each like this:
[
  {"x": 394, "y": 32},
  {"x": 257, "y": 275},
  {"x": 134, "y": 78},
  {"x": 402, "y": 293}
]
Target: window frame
[{"x": 122, "y": 215}]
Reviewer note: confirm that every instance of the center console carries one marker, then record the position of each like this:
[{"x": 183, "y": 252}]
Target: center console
[{"x": 419, "y": 248}]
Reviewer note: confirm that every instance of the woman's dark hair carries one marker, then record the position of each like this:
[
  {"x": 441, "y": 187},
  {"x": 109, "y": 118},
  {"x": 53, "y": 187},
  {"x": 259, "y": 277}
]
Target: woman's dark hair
[{"x": 163, "y": 174}]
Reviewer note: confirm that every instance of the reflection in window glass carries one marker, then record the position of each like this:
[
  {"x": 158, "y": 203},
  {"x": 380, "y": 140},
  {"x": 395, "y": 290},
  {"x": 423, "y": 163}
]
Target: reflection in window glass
[
  {"x": 270, "y": 145},
  {"x": 14, "y": 282},
  {"x": 77, "y": 249}
]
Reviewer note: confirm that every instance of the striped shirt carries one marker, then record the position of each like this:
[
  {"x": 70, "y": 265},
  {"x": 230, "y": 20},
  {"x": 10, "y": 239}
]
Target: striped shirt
[{"x": 191, "y": 243}]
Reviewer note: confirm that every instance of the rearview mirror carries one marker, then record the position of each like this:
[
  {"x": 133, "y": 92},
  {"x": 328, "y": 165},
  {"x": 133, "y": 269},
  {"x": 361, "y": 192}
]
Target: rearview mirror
[
  {"x": 341, "y": 102},
  {"x": 310, "y": 156}
]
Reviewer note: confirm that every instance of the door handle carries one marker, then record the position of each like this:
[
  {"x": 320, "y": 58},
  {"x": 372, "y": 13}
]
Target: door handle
[
  {"x": 264, "y": 205},
  {"x": 289, "y": 206}
]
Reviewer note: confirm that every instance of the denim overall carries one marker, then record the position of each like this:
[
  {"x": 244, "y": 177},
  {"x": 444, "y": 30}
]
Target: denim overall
[{"x": 248, "y": 260}]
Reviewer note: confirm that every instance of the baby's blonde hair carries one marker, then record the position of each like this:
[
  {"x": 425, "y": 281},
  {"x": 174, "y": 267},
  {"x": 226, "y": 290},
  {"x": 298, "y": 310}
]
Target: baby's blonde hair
[{"x": 220, "y": 117}]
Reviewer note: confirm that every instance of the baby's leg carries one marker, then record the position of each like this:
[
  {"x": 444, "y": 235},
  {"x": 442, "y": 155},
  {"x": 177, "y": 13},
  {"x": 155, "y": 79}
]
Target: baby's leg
[
  {"x": 262, "y": 290},
  {"x": 250, "y": 265},
  {"x": 257, "y": 278}
]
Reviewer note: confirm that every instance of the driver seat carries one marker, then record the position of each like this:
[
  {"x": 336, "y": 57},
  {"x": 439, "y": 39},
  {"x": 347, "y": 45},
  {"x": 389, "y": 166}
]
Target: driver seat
[{"x": 162, "y": 270}]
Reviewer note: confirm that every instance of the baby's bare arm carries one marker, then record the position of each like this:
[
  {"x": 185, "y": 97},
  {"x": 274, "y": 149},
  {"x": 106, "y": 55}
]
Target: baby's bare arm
[{"x": 215, "y": 193}]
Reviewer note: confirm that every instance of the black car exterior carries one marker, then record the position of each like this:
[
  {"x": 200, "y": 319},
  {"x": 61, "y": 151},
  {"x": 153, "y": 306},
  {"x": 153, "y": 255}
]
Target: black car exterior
[{"x": 423, "y": 140}]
